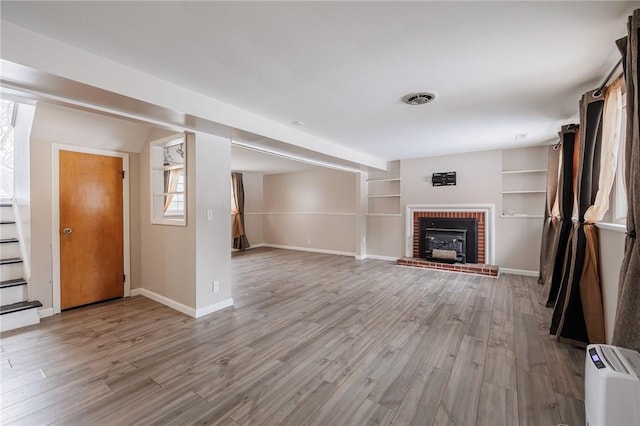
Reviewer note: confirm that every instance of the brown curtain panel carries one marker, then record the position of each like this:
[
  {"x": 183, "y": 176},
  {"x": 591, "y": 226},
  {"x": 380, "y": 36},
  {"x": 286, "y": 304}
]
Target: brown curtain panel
[
  {"x": 578, "y": 315},
  {"x": 627, "y": 324},
  {"x": 551, "y": 221},
  {"x": 568, "y": 144},
  {"x": 240, "y": 240}
]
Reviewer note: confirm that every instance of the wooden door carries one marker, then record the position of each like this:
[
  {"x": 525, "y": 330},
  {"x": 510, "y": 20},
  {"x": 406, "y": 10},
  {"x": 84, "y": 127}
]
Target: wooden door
[{"x": 91, "y": 228}]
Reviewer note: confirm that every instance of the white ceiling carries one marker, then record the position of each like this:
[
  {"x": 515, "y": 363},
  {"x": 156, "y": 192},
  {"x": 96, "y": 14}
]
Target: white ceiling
[
  {"x": 246, "y": 160},
  {"x": 498, "y": 68}
]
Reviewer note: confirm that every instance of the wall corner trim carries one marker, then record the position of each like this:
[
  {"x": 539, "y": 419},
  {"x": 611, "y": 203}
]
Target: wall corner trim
[
  {"x": 214, "y": 307},
  {"x": 524, "y": 272},
  {"x": 136, "y": 292},
  {"x": 168, "y": 302}
]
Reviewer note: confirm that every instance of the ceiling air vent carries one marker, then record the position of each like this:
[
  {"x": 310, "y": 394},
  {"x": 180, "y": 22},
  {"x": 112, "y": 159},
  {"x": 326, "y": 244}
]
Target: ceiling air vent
[{"x": 418, "y": 98}]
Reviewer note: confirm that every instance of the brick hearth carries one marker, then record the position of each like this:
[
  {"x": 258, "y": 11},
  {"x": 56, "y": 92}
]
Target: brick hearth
[{"x": 468, "y": 268}]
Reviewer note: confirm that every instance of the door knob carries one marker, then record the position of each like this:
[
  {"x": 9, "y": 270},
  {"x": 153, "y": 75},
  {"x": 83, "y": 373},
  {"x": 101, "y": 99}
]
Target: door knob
[{"x": 67, "y": 231}]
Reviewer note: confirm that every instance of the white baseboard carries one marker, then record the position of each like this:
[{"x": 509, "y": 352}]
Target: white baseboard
[
  {"x": 376, "y": 257},
  {"x": 524, "y": 272},
  {"x": 213, "y": 308},
  {"x": 195, "y": 313},
  {"x": 45, "y": 312},
  {"x": 311, "y": 249},
  {"x": 253, "y": 246},
  {"x": 168, "y": 302}
]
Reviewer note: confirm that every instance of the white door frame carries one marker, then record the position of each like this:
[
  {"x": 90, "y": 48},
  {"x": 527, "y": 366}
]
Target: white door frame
[{"x": 55, "y": 213}]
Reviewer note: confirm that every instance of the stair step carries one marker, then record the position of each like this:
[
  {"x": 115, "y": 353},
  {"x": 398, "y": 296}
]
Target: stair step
[
  {"x": 13, "y": 283},
  {"x": 9, "y": 240},
  {"x": 10, "y": 261},
  {"x": 20, "y": 306},
  {"x": 7, "y": 222}
]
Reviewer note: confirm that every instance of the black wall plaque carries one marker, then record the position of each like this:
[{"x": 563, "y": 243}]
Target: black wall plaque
[{"x": 443, "y": 179}]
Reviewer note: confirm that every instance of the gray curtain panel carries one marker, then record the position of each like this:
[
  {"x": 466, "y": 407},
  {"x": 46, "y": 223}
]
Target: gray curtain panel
[
  {"x": 553, "y": 279},
  {"x": 627, "y": 324},
  {"x": 240, "y": 241},
  {"x": 580, "y": 297},
  {"x": 550, "y": 221}
]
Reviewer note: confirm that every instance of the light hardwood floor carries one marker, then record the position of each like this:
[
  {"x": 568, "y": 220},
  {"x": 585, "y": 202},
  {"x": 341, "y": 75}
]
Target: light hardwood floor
[{"x": 312, "y": 339}]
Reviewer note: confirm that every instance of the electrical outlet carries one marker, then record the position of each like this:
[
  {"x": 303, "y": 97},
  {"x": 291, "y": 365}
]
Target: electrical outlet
[
  {"x": 308, "y": 240},
  {"x": 216, "y": 286}
]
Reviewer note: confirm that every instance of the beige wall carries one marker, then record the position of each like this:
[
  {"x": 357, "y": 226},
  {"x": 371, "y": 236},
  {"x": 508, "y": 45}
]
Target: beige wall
[
  {"x": 479, "y": 181},
  {"x": 611, "y": 253},
  {"x": 167, "y": 252},
  {"x": 134, "y": 219},
  {"x": 313, "y": 210},
  {"x": 385, "y": 236},
  {"x": 51, "y": 125},
  {"x": 182, "y": 262}
]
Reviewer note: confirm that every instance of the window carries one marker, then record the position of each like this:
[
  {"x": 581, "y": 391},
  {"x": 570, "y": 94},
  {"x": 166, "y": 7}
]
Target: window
[
  {"x": 7, "y": 120},
  {"x": 620, "y": 193},
  {"x": 176, "y": 205},
  {"x": 168, "y": 180}
]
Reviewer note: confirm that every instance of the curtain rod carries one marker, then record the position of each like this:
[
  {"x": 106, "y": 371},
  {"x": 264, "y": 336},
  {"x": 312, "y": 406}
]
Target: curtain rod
[{"x": 599, "y": 90}]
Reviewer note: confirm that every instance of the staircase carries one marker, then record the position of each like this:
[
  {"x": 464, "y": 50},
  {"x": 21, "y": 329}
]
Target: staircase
[{"x": 15, "y": 308}]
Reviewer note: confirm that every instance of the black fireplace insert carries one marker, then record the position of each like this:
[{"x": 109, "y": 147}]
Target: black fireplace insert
[
  {"x": 446, "y": 245},
  {"x": 469, "y": 251}
]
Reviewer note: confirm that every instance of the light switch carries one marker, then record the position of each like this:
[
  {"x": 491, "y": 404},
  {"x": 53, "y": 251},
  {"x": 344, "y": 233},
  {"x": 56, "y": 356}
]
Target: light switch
[{"x": 209, "y": 214}]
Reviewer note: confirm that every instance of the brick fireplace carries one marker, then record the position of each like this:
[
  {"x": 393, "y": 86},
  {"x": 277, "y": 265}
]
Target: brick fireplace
[
  {"x": 483, "y": 214},
  {"x": 479, "y": 216}
]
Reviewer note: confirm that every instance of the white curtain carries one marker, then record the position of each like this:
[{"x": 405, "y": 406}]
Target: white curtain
[
  {"x": 171, "y": 179},
  {"x": 611, "y": 133}
]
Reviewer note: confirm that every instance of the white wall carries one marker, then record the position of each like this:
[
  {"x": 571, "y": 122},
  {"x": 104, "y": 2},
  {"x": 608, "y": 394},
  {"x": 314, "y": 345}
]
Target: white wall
[
  {"x": 312, "y": 210},
  {"x": 611, "y": 254},
  {"x": 21, "y": 176},
  {"x": 212, "y": 192}
]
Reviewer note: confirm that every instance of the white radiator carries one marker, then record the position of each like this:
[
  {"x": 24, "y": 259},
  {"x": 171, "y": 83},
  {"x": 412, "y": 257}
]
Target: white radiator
[{"x": 612, "y": 386}]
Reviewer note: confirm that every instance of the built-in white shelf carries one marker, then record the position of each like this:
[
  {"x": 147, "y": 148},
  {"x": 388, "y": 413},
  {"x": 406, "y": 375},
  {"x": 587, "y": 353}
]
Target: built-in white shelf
[
  {"x": 524, "y": 179},
  {"x": 170, "y": 167},
  {"x": 164, "y": 194},
  {"x": 385, "y": 180},
  {"x": 510, "y": 172},
  {"x": 384, "y": 191}
]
